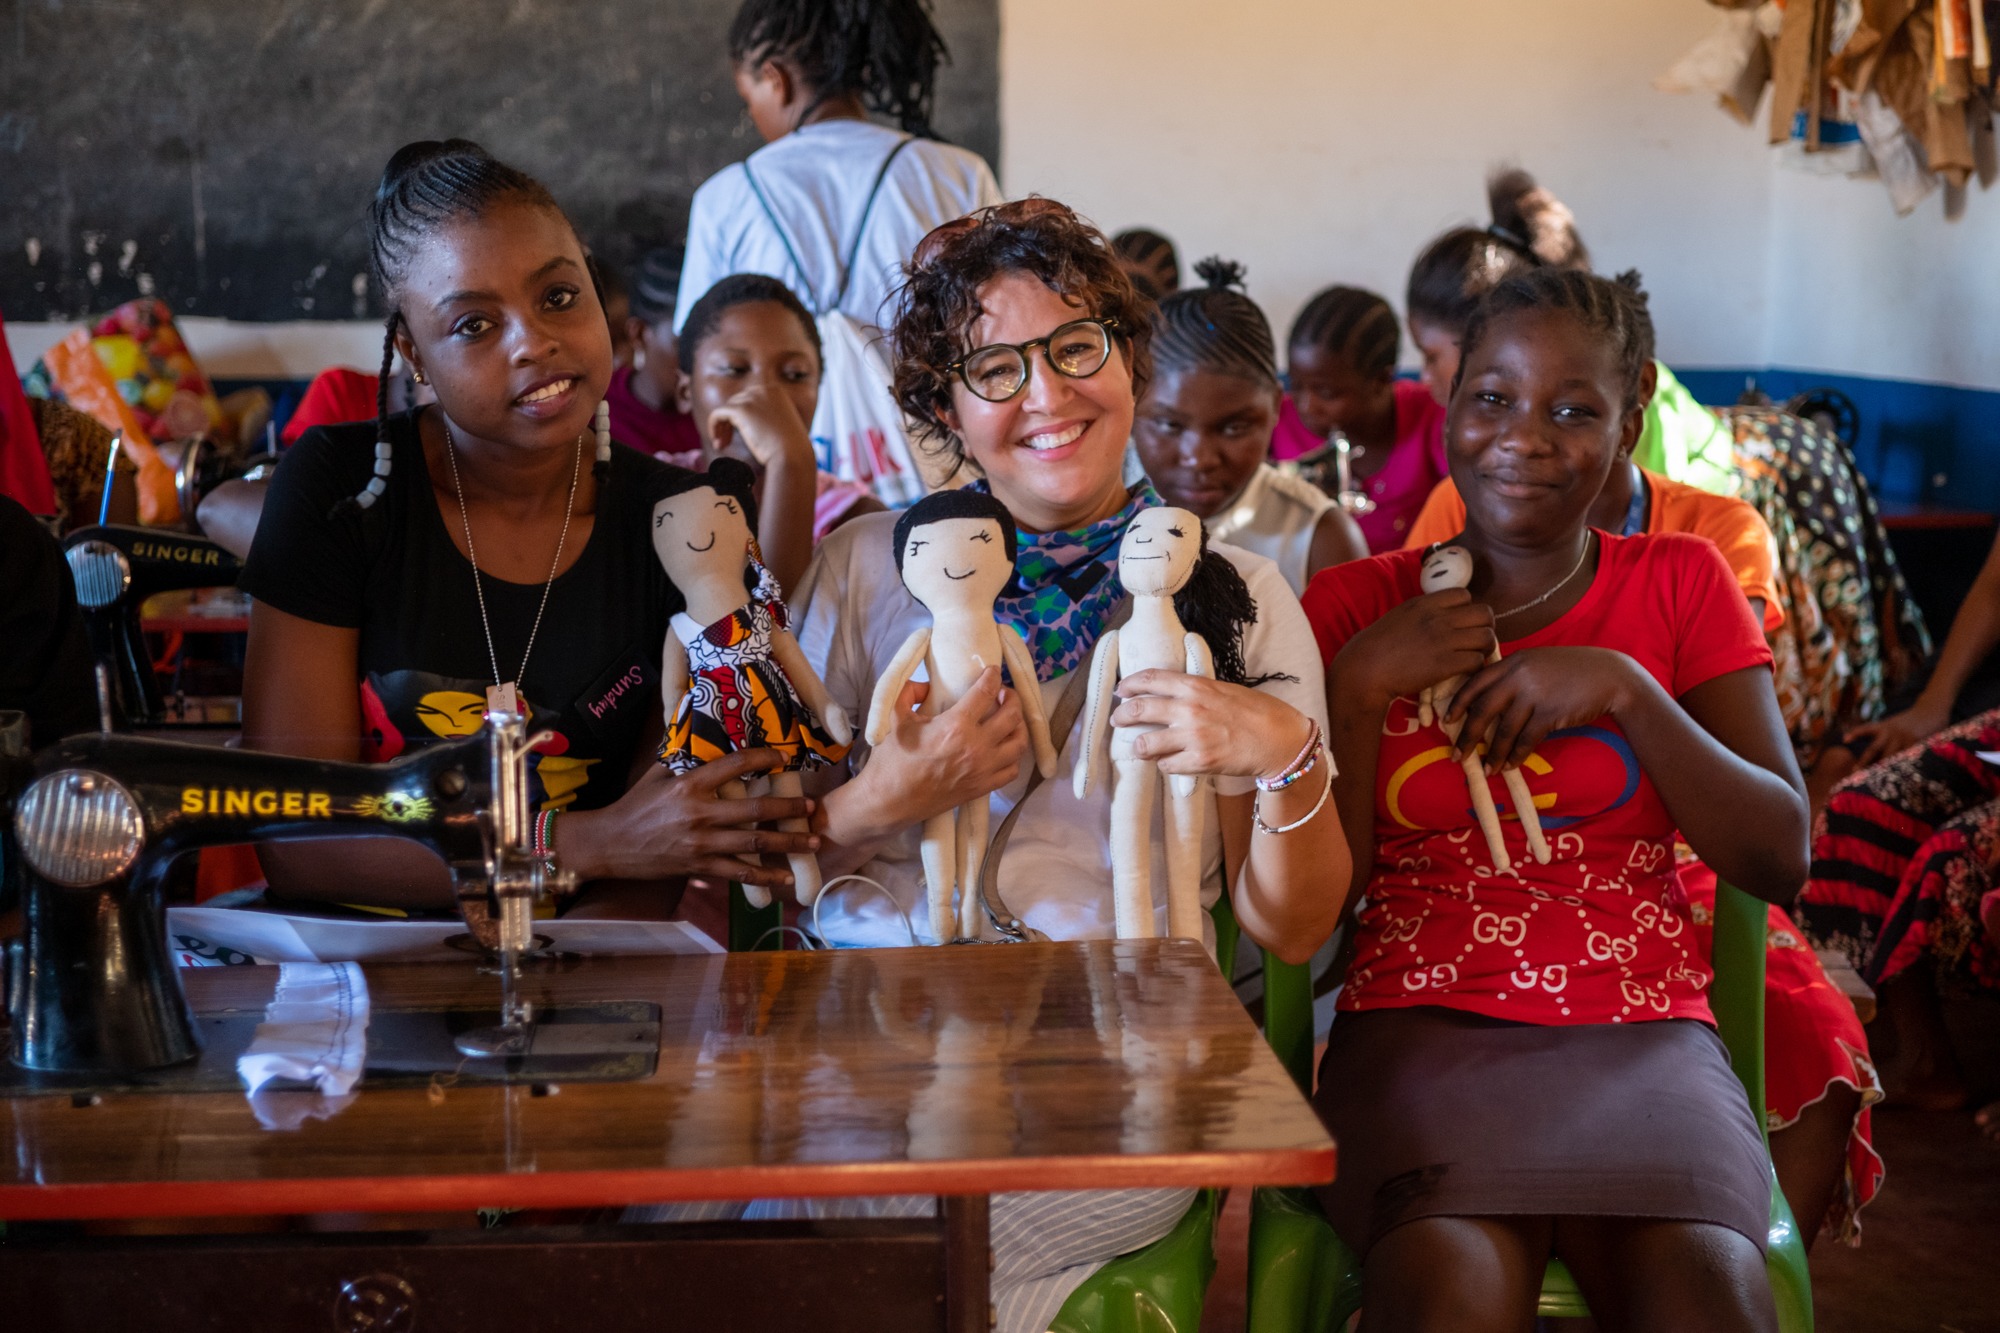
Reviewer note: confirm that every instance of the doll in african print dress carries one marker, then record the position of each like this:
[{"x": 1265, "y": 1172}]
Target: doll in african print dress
[{"x": 731, "y": 674}]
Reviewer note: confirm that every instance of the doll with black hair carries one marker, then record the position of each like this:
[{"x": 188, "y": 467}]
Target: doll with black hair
[
  {"x": 955, "y": 553},
  {"x": 1189, "y": 609},
  {"x": 732, "y": 677}
]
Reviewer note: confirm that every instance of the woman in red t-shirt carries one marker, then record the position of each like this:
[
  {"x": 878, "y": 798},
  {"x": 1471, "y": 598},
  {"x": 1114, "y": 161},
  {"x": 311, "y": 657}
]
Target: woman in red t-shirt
[{"x": 1525, "y": 1062}]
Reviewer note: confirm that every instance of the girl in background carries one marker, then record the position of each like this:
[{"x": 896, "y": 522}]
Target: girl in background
[
  {"x": 644, "y": 393},
  {"x": 1342, "y": 355},
  {"x": 1531, "y": 228},
  {"x": 1204, "y": 430},
  {"x": 750, "y": 383},
  {"x": 834, "y": 203}
]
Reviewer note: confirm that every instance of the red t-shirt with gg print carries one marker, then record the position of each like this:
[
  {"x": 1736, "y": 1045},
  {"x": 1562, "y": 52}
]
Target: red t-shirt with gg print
[{"x": 1602, "y": 933}]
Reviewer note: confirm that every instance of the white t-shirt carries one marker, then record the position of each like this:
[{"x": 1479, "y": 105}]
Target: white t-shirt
[
  {"x": 1056, "y": 872},
  {"x": 817, "y": 180}
]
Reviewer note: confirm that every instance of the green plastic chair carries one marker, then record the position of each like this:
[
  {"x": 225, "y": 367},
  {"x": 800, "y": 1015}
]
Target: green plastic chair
[{"x": 1304, "y": 1279}]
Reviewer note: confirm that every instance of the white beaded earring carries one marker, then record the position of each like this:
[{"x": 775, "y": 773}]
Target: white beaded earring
[{"x": 603, "y": 431}]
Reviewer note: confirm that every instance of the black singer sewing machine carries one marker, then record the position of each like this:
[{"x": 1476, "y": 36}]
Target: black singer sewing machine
[
  {"x": 116, "y": 569},
  {"x": 91, "y": 984}
]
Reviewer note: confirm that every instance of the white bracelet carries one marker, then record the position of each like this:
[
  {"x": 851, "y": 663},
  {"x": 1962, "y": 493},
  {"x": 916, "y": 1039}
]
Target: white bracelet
[{"x": 1257, "y": 814}]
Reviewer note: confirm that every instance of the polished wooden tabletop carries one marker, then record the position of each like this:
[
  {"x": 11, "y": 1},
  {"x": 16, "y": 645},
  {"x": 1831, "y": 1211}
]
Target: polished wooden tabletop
[{"x": 936, "y": 1071}]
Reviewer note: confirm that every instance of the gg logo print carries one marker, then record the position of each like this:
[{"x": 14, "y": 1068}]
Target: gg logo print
[{"x": 1492, "y": 928}]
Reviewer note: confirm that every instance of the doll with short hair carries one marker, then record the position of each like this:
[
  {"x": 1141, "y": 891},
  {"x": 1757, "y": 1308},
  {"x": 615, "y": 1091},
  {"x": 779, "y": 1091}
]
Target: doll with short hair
[{"x": 955, "y": 552}]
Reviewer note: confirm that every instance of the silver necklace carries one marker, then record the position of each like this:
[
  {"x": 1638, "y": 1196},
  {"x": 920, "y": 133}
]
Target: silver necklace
[
  {"x": 1529, "y": 606},
  {"x": 478, "y": 589}
]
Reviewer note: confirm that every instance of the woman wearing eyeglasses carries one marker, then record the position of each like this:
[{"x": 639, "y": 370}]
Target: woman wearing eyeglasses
[{"x": 1020, "y": 347}]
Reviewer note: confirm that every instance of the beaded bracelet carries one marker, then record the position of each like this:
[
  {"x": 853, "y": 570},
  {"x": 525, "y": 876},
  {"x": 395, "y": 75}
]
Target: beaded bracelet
[
  {"x": 1301, "y": 764},
  {"x": 1257, "y": 815},
  {"x": 540, "y": 835}
]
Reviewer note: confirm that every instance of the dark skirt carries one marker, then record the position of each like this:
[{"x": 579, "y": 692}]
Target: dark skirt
[{"x": 1439, "y": 1113}]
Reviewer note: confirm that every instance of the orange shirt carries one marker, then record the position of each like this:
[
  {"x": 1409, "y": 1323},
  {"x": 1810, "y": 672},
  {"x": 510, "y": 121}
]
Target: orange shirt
[{"x": 1736, "y": 528}]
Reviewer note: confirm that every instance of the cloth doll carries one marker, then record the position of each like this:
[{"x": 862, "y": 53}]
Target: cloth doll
[
  {"x": 955, "y": 552},
  {"x": 732, "y": 677},
  {"x": 1451, "y": 567},
  {"x": 1189, "y": 609}
]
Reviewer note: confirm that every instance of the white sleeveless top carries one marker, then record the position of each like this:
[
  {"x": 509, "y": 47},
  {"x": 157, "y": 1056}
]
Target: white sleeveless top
[{"x": 1274, "y": 516}]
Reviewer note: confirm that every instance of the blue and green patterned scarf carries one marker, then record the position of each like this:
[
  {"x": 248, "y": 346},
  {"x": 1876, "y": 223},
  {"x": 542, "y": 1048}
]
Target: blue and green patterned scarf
[{"x": 1066, "y": 584}]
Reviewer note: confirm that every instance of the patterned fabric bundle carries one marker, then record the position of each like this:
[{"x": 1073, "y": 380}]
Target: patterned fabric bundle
[
  {"x": 1852, "y": 634},
  {"x": 1904, "y": 854},
  {"x": 1065, "y": 585}
]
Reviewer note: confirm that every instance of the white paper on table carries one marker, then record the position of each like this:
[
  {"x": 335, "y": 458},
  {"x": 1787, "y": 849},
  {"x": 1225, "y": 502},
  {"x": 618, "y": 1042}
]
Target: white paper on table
[{"x": 198, "y": 934}]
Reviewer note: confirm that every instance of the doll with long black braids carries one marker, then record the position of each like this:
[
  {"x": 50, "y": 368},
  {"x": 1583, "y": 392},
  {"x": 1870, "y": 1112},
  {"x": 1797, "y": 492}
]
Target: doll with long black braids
[{"x": 1189, "y": 610}]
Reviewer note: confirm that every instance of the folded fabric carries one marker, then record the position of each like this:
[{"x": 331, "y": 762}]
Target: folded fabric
[{"x": 315, "y": 1030}]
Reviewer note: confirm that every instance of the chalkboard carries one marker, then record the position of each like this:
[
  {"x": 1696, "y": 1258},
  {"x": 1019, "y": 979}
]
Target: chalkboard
[{"x": 220, "y": 154}]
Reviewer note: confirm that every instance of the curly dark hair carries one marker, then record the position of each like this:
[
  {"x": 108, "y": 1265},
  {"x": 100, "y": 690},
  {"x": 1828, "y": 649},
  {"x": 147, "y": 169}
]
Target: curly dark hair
[{"x": 938, "y": 302}]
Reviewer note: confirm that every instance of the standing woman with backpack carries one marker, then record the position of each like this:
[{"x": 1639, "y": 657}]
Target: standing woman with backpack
[{"x": 834, "y": 202}]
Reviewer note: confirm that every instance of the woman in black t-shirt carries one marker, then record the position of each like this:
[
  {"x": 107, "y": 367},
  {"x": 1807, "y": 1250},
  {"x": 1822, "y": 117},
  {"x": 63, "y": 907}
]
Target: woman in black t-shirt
[{"x": 403, "y": 571}]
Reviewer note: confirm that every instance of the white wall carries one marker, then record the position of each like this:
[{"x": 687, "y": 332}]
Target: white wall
[{"x": 1324, "y": 141}]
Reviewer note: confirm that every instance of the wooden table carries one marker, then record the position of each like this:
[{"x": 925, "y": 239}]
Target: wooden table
[{"x": 956, "y": 1072}]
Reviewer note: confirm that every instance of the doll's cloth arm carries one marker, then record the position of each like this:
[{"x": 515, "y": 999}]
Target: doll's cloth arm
[
  {"x": 792, "y": 661},
  {"x": 882, "y": 704},
  {"x": 1021, "y": 666},
  {"x": 1097, "y": 706},
  {"x": 673, "y": 676}
]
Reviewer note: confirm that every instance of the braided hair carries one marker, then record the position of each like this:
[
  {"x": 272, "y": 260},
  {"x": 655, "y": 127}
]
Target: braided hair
[
  {"x": 1151, "y": 260},
  {"x": 426, "y": 185},
  {"x": 1216, "y": 603},
  {"x": 886, "y": 52},
  {"x": 1530, "y": 228},
  {"x": 1354, "y": 325},
  {"x": 1614, "y": 308},
  {"x": 656, "y": 286},
  {"x": 1216, "y": 327}
]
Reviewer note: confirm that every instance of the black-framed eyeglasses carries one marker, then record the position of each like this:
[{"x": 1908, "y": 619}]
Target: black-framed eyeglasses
[{"x": 999, "y": 371}]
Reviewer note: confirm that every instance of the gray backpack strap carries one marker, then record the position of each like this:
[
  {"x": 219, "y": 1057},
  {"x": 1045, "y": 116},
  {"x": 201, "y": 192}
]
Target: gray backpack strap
[
  {"x": 846, "y": 275},
  {"x": 1061, "y": 722}
]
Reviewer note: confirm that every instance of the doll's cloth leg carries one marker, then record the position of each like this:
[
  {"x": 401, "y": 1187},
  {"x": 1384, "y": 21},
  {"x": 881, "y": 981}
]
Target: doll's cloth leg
[
  {"x": 939, "y": 850},
  {"x": 755, "y": 894},
  {"x": 974, "y": 821},
  {"x": 1524, "y": 810},
  {"x": 1185, "y": 815},
  {"x": 1489, "y": 814},
  {"x": 805, "y": 866},
  {"x": 1131, "y": 846}
]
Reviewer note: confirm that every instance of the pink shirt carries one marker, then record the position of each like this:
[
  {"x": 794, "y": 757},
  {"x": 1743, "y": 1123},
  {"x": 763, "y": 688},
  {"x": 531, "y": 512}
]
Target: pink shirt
[
  {"x": 638, "y": 426},
  {"x": 1416, "y": 462}
]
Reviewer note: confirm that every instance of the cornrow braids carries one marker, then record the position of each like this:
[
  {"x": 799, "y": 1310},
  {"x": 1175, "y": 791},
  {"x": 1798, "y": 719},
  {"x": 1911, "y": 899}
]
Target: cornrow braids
[
  {"x": 735, "y": 290},
  {"x": 426, "y": 185},
  {"x": 886, "y": 52},
  {"x": 1357, "y": 326},
  {"x": 1216, "y": 327},
  {"x": 1530, "y": 228},
  {"x": 656, "y": 286},
  {"x": 1150, "y": 258},
  {"x": 1614, "y": 308}
]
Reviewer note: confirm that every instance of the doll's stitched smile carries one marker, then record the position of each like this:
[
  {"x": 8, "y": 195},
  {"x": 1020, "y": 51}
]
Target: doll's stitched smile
[
  {"x": 966, "y": 575},
  {"x": 711, "y": 543}
]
